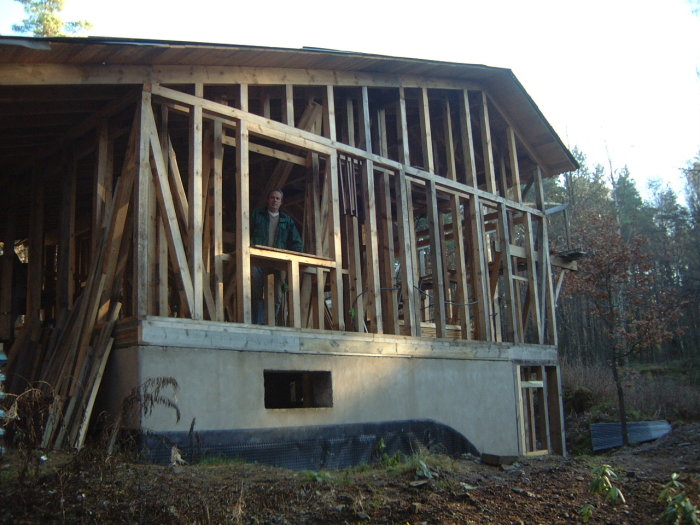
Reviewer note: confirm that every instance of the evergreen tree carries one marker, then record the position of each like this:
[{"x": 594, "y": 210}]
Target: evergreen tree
[{"x": 44, "y": 19}]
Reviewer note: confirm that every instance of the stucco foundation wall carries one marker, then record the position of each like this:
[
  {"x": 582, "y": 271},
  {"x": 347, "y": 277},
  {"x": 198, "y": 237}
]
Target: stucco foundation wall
[
  {"x": 219, "y": 368},
  {"x": 225, "y": 390}
]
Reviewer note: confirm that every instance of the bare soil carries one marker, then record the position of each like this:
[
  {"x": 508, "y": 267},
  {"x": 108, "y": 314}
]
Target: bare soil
[{"x": 87, "y": 488}]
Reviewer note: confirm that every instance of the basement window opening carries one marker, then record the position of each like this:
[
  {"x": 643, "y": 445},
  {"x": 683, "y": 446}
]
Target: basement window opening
[{"x": 298, "y": 389}]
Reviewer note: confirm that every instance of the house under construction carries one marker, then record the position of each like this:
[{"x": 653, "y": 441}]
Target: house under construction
[{"x": 421, "y": 305}]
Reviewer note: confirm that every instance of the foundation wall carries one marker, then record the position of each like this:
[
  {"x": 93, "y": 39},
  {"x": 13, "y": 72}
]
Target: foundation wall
[{"x": 220, "y": 368}]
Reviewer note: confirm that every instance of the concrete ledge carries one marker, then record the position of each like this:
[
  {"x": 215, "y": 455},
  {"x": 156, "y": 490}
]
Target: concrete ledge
[{"x": 186, "y": 333}]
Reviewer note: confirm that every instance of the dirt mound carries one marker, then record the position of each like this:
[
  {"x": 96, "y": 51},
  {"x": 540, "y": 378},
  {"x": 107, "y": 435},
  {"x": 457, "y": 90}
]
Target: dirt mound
[{"x": 428, "y": 489}]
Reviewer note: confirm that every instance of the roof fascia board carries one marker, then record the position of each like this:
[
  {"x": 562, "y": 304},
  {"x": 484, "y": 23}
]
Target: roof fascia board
[{"x": 66, "y": 74}]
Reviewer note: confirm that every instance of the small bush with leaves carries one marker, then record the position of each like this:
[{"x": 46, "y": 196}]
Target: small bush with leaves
[
  {"x": 602, "y": 486},
  {"x": 679, "y": 509}
]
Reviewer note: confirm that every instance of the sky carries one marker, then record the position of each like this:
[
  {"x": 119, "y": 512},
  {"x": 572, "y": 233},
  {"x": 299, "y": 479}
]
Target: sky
[{"x": 619, "y": 79}]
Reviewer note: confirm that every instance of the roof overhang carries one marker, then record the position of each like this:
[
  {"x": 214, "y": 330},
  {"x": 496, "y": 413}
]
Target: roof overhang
[{"x": 35, "y": 54}]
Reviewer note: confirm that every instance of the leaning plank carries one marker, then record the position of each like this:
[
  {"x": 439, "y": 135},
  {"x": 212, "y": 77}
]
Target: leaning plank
[
  {"x": 167, "y": 209},
  {"x": 103, "y": 347}
]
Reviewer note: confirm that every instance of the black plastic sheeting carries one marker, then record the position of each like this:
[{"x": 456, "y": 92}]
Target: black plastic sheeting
[
  {"x": 329, "y": 447},
  {"x": 609, "y": 435}
]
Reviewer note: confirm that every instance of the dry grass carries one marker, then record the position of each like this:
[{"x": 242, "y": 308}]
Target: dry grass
[{"x": 647, "y": 396}]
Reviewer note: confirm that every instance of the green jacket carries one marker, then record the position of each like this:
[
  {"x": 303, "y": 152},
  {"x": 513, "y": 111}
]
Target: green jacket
[{"x": 287, "y": 236}]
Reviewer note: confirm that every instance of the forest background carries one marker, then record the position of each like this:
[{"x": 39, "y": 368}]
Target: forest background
[{"x": 633, "y": 307}]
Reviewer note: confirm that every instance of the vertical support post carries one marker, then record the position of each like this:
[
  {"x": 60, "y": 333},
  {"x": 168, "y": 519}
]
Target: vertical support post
[
  {"x": 460, "y": 267},
  {"x": 196, "y": 218},
  {"x": 163, "y": 277},
  {"x": 36, "y": 249},
  {"x": 402, "y": 129},
  {"x": 243, "y": 97},
  {"x": 336, "y": 252},
  {"x": 533, "y": 303},
  {"x": 386, "y": 263},
  {"x": 243, "y": 284},
  {"x": 436, "y": 259},
  {"x": 218, "y": 220},
  {"x": 426, "y": 134},
  {"x": 511, "y": 318},
  {"x": 7, "y": 261},
  {"x": 103, "y": 181},
  {"x": 65, "y": 285},
  {"x": 410, "y": 312},
  {"x": 142, "y": 202},
  {"x": 467, "y": 139},
  {"x": 350, "y": 121},
  {"x": 365, "y": 133},
  {"x": 487, "y": 147},
  {"x": 329, "y": 113},
  {"x": 556, "y": 410},
  {"x": 514, "y": 168},
  {"x": 374, "y": 303},
  {"x": 547, "y": 291},
  {"x": 479, "y": 273},
  {"x": 414, "y": 255},
  {"x": 381, "y": 129},
  {"x": 449, "y": 140},
  {"x": 288, "y": 105}
]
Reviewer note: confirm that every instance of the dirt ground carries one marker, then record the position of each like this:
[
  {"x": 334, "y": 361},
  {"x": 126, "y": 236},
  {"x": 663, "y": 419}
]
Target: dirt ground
[{"x": 89, "y": 489}]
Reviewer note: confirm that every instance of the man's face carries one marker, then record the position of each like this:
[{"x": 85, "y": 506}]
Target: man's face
[{"x": 274, "y": 201}]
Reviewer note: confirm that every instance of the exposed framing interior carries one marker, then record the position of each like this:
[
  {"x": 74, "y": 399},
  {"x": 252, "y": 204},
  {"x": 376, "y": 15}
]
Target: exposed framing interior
[{"x": 419, "y": 199}]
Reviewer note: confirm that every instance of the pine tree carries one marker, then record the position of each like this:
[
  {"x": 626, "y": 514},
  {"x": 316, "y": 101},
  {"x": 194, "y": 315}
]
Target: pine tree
[{"x": 44, "y": 19}]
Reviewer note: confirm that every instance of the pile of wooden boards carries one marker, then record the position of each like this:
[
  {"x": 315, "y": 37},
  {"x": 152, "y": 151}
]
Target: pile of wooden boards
[{"x": 68, "y": 360}]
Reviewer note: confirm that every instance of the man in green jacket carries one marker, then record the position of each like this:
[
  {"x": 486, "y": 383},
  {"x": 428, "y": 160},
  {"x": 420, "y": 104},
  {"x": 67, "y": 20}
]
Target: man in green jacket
[{"x": 271, "y": 227}]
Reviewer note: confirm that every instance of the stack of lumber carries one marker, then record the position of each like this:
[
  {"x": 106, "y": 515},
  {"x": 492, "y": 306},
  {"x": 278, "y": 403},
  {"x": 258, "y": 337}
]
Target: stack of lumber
[{"x": 68, "y": 361}]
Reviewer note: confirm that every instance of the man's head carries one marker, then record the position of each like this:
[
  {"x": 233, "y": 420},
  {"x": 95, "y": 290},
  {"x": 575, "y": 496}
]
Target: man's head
[{"x": 274, "y": 201}]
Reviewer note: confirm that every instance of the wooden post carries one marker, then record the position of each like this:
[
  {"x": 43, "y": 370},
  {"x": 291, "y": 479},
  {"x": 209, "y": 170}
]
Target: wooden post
[
  {"x": 426, "y": 134},
  {"x": 7, "y": 261},
  {"x": 36, "y": 249},
  {"x": 547, "y": 308},
  {"x": 163, "y": 274},
  {"x": 436, "y": 260},
  {"x": 411, "y": 317},
  {"x": 102, "y": 193},
  {"x": 486, "y": 143},
  {"x": 196, "y": 210},
  {"x": 143, "y": 243},
  {"x": 329, "y": 113},
  {"x": 479, "y": 274},
  {"x": 460, "y": 267},
  {"x": 373, "y": 292},
  {"x": 449, "y": 140},
  {"x": 288, "y": 105},
  {"x": 514, "y": 168},
  {"x": 511, "y": 318},
  {"x": 467, "y": 140},
  {"x": 402, "y": 129},
  {"x": 218, "y": 221},
  {"x": 65, "y": 282},
  {"x": 243, "y": 284},
  {"x": 385, "y": 232},
  {"x": 336, "y": 251}
]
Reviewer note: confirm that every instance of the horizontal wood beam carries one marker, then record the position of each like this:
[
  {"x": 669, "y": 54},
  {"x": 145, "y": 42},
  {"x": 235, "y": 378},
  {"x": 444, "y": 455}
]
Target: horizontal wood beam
[
  {"x": 63, "y": 74},
  {"x": 277, "y": 131}
]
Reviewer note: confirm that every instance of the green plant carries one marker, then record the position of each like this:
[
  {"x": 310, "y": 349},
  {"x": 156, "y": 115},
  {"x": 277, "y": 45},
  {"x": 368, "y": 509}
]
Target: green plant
[
  {"x": 318, "y": 476},
  {"x": 602, "y": 486},
  {"x": 679, "y": 509}
]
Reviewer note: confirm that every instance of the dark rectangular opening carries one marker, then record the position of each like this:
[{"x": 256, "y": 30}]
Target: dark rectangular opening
[{"x": 298, "y": 389}]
